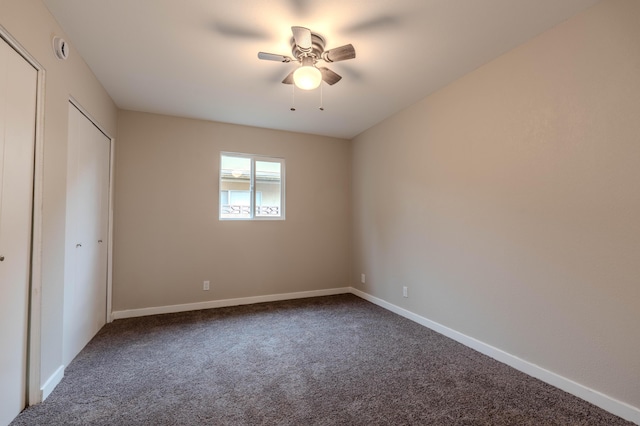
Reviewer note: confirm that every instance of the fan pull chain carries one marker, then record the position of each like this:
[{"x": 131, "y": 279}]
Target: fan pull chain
[
  {"x": 293, "y": 97},
  {"x": 321, "y": 105}
]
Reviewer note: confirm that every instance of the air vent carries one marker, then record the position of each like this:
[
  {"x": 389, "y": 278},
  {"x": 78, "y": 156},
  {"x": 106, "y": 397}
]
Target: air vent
[{"x": 60, "y": 48}]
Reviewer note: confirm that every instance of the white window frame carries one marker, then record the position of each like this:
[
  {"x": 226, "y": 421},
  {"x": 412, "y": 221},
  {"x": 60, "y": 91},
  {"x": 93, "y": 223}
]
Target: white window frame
[{"x": 252, "y": 191}]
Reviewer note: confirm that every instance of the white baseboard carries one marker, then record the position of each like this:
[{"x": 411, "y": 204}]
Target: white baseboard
[
  {"x": 612, "y": 405},
  {"x": 131, "y": 313},
  {"x": 51, "y": 383}
]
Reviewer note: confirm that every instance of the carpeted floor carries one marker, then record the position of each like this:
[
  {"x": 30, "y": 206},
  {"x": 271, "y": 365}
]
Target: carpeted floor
[{"x": 335, "y": 360}]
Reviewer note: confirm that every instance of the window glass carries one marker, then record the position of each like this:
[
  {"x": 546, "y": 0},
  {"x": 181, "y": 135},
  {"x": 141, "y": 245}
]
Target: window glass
[
  {"x": 235, "y": 179},
  {"x": 269, "y": 185}
]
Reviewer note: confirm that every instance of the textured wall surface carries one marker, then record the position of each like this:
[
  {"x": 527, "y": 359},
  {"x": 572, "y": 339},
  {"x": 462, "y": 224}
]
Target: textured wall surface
[
  {"x": 508, "y": 202},
  {"x": 168, "y": 238}
]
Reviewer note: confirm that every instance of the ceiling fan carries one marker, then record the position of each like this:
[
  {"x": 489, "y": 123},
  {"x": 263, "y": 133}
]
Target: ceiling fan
[{"x": 307, "y": 49}]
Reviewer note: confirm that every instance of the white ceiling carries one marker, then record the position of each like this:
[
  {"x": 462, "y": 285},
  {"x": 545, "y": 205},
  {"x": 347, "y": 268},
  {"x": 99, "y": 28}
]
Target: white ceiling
[{"x": 198, "y": 58}]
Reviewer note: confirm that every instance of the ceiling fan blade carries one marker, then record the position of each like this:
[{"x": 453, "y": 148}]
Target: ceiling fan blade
[
  {"x": 329, "y": 76},
  {"x": 239, "y": 31},
  {"x": 380, "y": 23},
  {"x": 341, "y": 53},
  {"x": 273, "y": 57},
  {"x": 302, "y": 37},
  {"x": 289, "y": 79}
]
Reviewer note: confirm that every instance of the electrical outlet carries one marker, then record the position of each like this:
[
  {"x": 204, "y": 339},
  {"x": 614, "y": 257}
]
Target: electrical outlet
[
  {"x": 404, "y": 292},
  {"x": 362, "y": 278},
  {"x": 205, "y": 285}
]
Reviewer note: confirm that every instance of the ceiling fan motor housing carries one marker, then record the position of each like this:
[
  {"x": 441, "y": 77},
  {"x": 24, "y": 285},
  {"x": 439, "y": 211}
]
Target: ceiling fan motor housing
[{"x": 317, "y": 47}]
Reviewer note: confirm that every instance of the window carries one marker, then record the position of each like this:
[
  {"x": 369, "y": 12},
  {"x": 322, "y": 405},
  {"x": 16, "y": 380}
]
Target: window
[{"x": 251, "y": 187}]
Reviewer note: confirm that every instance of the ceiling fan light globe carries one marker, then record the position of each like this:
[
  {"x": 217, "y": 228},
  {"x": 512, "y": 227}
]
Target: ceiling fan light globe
[{"x": 307, "y": 77}]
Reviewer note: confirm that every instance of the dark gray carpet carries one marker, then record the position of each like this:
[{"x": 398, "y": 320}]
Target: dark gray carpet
[{"x": 335, "y": 360}]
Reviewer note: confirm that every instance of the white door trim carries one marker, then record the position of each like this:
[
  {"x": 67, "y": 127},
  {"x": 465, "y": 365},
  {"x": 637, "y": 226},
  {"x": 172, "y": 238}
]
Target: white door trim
[
  {"x": 34, "y": 394},
  {"x": 112, "y": 142}
]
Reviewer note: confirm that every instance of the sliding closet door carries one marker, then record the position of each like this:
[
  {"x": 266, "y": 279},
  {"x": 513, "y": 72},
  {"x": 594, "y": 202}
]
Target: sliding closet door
[
  {"x": 18, "y": 81},
  {"x": 85, "y": 294}
]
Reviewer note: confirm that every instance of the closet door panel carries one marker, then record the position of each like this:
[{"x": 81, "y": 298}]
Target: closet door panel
[
  {"x": 87, "y": 230},
  {"x": 18, "y": 80}
]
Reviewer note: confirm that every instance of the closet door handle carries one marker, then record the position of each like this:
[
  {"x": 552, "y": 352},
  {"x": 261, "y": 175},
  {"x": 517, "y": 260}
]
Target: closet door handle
[
  {"x": 100, "y": 241},
  {"x": 78, "y": 245},
  {"x": 1, "y": 258}
]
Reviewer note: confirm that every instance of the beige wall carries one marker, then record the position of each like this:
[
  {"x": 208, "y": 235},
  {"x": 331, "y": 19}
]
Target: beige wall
[
  {"x": 509, "y": 202},
  {"x": 29, "y": 22},
  {"x": 168, "y": 238}
]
